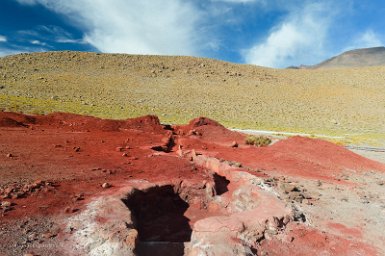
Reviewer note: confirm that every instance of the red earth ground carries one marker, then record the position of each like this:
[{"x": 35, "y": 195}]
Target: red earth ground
[{"x": 53, "y": 166}]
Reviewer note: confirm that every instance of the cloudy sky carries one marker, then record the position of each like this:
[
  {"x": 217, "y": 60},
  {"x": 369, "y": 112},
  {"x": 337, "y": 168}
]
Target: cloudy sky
[{"x": 273, "y": 33}]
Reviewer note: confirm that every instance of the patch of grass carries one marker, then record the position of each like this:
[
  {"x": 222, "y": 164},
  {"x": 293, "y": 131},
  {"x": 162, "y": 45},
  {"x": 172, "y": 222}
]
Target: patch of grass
[{"x": 258, "y": 141}]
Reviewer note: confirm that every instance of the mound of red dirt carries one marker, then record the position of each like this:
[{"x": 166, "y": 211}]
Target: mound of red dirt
[
  {"x": 76, "y": 159},
  {"x": 9, "y": 122},
  {"x": 295, "y": 156},
  {"x": 8, "y": 119},
  {"x": 323, "y": 154},
  {"x": 78, "y": 122},
  {"x": 210, "y": 131}
]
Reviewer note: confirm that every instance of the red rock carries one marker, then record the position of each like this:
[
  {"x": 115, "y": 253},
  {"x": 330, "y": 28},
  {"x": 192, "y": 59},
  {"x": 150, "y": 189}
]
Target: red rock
[
  {"x": 78, "y": 197},
  {"x": 70, "y": 210},
  {"x": 234, "y": 144}
]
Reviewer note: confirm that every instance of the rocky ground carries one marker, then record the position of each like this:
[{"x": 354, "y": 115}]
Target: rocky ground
[{"x": 76, "y": 185}]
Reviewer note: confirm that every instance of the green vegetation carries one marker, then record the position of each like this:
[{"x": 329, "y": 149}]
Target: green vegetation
[{"x": 258, "y": 141}]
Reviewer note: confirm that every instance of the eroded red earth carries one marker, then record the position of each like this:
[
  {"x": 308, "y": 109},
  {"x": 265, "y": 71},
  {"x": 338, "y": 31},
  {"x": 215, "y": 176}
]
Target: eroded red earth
[{"x": 53, "y": 166}]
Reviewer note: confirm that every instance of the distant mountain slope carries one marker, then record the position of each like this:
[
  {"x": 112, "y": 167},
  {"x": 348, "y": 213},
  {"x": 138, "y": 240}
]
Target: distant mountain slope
[{"x": 356, "y": 58}]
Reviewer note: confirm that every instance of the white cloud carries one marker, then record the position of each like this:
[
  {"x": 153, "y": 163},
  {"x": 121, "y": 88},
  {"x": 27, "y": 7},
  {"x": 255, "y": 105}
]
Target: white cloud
[
  {"x": 37, "y": 42},
  {"x": 131, "y": 26},
  {"x": 365, "y": 40},
  {"x": 370, "y": 39},
  {"x": 3, "y": 39},
  {"x": 302, "y": 33},
  {"x": 298, "y": 39},
  {"x": 65, "y": 40},
  {"x": 49, "y": 33}
]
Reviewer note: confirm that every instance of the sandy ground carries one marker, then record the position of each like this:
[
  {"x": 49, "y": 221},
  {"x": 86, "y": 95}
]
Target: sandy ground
[{"x": 377, "y": 156}]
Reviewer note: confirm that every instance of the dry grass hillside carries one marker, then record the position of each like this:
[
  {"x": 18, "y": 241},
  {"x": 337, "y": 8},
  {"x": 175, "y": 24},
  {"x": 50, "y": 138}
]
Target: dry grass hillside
[
  {"x": 348, "y": 102},
  {"x": 365, "y": 57}
]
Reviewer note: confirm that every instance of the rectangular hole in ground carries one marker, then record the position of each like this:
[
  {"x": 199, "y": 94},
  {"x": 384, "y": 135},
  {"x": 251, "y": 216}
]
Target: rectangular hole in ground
[{"x": 158, "y": 215}]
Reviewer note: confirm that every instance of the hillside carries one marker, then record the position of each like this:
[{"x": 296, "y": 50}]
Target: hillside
[
  {"x": 374, "y": 56},
  {"x": 345, "y": 102}
]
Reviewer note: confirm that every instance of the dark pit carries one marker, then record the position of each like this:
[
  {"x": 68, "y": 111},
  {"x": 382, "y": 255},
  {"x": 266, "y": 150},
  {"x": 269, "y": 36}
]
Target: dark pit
[
  {"x": 158, "y": 215},
  {"x": 221, "y": 184}
]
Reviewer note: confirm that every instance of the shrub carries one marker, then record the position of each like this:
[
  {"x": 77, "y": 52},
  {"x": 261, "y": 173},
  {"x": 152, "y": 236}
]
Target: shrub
[{"x": 258, "y": 141}]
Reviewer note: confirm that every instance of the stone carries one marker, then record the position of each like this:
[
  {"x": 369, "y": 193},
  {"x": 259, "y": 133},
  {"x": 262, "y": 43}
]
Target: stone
[
  {"x": 37, "y": 184},
  {"x": 288, "y": 188},
  {"x": 48, "y": 235},
  {"x": 234, "y": 144},
  {"x": 179, "y": 152},
  {"x": 131, "y": 238},
  {"x": 194, "y": 132},
  {"x": 106, "y": 185},
  {"x": 306, "y": 195},
  {"x": 296, "y": 196},
  {"x": 6, "y": 204},
  {"x": 78, "y": 197},
  {"x": 70, "y": 210}
]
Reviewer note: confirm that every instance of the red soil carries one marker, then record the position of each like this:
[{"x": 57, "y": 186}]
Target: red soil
[
  {"x": 77, "y": 154},
  {"x": 346, "y": 231},
  {"x": 296, "y": 156}
]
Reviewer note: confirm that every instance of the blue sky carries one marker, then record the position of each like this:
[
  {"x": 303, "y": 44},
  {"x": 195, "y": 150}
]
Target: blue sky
[{"x": 273, "y": 33}]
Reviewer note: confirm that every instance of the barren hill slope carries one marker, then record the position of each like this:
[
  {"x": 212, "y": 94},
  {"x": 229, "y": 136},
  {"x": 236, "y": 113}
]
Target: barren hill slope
[
  {"x": 347, "y": 102},
  {"x": 374, "y": 56}
]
